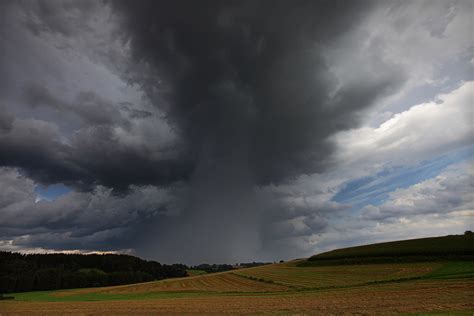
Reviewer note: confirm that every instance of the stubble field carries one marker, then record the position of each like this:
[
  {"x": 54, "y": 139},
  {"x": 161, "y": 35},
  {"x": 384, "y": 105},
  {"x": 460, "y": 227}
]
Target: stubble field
[{"x": 412, "y": 288}]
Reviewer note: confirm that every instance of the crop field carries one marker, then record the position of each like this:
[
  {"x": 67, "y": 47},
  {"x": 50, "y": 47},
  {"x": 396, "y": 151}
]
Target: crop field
[
  {"x": 454, "y": 296},
  {"x": 429, "y": 287},
  {"x": 336, "y": 276},
  {"x": 453, "y": 246}
]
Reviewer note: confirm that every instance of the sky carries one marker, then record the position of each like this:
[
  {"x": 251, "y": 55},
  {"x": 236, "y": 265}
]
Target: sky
[{"x": 233, "y": 131}]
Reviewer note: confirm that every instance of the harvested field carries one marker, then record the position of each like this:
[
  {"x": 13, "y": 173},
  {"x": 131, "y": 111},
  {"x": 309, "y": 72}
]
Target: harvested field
[
  {"x": 218, "y": 282},
  {"x": 413, "y": 297},
  {"x": 279, "y": 288},
  {"x": 290, "y": 274}
]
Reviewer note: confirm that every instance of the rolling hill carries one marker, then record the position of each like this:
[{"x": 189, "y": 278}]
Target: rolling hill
[
  {"x": 369, "y": 288},
  {"x": 452, "y": 247}
]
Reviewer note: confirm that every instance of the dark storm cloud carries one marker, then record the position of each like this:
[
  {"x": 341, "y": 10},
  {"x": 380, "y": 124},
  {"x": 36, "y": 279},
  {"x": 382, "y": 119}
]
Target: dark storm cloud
[
  {"x": 94, "y": 155},
  {"x": 243, "y": 83},
  {"x": 6, "y": 120},
  {"x": 63, "y": 17},
  {"x": 247, "y": 89},
  {"x": 248, "y": 76},
  {"x": 92, "y": 109},
  {"x": 126, "y": 106},
  {"x": 77, "y": 220},
  {"x": 74, "y": 140}
]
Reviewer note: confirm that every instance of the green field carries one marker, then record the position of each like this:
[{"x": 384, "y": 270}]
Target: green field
[{"x": 433, "y": 287}]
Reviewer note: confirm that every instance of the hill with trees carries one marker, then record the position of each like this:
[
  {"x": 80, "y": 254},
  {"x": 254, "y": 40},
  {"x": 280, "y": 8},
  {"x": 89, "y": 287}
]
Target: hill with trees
[{"x": 30, "y": 272}]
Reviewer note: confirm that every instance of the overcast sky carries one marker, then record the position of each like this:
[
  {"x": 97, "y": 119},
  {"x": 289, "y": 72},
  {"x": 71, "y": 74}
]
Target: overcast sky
[{"x": 233, "y": 131}]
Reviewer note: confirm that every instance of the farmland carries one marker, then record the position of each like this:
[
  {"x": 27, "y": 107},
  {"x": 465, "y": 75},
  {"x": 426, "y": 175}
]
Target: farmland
[
  {"x": 411, "y": 288},
  {"x": 402, "y": 287}
]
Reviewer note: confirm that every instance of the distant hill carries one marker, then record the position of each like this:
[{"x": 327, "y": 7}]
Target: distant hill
[{"x": 423, "y": 249}]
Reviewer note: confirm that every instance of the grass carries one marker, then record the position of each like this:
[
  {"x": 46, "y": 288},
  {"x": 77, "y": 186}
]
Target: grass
[
  {"x": 453, "y": 270},
  {"x": 51, "y": 296}
]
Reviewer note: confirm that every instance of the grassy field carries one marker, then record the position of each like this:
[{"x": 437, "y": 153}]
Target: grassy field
[{"x": 433, "y": 287}]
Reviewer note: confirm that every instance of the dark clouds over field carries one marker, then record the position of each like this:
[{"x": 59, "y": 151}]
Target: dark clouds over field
[{"x": 214, "y": 130}]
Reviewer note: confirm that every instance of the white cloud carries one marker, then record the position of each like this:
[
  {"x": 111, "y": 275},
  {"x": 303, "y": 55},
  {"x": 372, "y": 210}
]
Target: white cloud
[
  {"x": 11, "y": 245},
  {"x": 450, "y": 191},
  {"x": 422, "y": 132},
  {"x": 421, "y": 40},
  {"x": 437, "y": 206},
  {"x": 354, "y": 231},
  {"x": 422, "y": 35}
]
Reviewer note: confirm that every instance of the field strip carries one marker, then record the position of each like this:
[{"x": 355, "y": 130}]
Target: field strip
[{"x": 418, "y": 296}]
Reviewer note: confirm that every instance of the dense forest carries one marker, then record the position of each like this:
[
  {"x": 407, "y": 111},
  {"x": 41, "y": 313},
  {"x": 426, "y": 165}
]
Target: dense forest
[{"x": 21, "y": 272}]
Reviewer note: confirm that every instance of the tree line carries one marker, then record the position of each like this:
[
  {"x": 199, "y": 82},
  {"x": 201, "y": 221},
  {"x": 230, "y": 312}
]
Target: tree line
[
  {"x": 31, "y": 272},
  {"x": 212, "y": 268}
]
